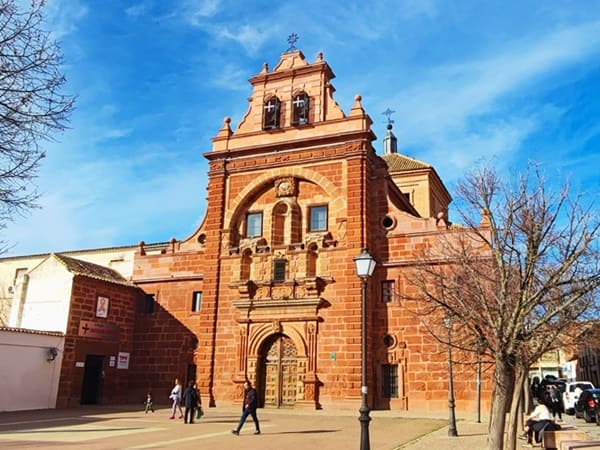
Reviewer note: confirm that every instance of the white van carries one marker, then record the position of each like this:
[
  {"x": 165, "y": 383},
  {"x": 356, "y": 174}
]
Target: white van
[{"x": 571, "y": 394}]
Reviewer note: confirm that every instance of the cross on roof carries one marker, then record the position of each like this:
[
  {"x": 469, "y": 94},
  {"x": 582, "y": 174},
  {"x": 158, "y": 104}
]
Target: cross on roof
[
  {"x": 292, "y": 39},
  {"x": 388, "y": 112}
]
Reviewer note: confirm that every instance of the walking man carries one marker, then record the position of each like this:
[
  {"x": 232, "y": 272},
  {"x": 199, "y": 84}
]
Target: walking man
[
  {"x": 248, "y": 408},
  {"x": 190, "y": 400}
]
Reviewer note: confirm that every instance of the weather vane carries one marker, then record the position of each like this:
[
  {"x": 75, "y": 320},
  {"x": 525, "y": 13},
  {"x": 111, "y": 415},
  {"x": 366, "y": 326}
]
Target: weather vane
[
  {"x": 292, "y": 39},
  {"x": 388, "y": 112}
]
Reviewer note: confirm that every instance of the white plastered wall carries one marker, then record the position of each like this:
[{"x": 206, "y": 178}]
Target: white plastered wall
[
  {"x": 30, "y": 380},
  {"x": 48, "y": 297}
]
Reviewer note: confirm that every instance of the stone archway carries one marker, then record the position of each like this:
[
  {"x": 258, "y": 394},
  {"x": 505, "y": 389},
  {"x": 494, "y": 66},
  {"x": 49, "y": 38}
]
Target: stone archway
[{"x": 278, "y": 372}]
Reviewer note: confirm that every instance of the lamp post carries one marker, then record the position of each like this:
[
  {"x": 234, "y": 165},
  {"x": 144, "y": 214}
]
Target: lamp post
[
  {"x": 451, "y": 415},
  {"x": 365, "y": 264}
]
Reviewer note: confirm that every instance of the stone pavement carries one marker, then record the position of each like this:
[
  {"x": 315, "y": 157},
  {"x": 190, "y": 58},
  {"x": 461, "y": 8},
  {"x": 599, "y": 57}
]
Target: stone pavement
[{"x": 117, "y": 427}]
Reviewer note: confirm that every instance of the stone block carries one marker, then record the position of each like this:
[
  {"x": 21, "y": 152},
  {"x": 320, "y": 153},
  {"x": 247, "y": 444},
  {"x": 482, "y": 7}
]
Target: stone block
[
  {"x": 553, "y": 439},
  {"x": 575, "y": 445}
]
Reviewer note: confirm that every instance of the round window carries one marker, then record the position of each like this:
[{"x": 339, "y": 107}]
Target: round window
[
  {"x": 388, "y": 222},
  {"x": 389, "y": 340}
]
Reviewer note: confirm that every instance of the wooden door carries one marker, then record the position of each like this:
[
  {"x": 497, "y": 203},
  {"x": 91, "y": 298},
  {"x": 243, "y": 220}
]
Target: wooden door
[{"x": 281, "y": 372}]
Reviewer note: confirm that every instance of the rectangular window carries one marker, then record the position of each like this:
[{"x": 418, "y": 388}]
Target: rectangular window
[
  {"x": 149, "y": 304},
  {"x": 196, "y": 301},
  {"x": 279, "y": 270},
  {"x": 254, "y": 224},
  {"x": 318, "y": 218},
  {"x": 387, "y": 291},
  {"x": 389, "y": 374}
]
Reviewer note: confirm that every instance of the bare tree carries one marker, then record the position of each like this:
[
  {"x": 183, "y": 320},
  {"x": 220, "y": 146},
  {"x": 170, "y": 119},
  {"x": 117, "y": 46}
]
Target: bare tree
[
  {"x": 32, "y": 107},
  {"x": 516, "y": 279}
]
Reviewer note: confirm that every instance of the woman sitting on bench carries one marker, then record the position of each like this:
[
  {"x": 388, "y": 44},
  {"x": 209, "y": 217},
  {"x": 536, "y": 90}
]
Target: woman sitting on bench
[{"x": 537, "y": 421}]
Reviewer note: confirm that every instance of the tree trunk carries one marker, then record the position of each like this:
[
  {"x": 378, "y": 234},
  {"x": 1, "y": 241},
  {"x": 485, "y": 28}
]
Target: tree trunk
[
  {"x": 502, "y": 374},
  {"x": 515, "y": 407}
]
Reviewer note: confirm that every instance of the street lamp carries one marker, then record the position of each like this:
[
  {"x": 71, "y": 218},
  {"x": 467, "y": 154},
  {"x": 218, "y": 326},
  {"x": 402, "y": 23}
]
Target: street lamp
[
  {"x": 451, "y": 416},
  {"x": 365, "y": 264}
]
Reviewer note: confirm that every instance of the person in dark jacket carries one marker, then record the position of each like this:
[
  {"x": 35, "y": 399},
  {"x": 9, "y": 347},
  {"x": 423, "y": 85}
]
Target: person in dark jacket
[
  {"x": 248, "y": 408},
  {"x": 190, "y": 400}
]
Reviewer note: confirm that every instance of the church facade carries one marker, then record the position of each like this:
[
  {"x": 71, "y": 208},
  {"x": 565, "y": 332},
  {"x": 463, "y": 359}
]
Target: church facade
[{"x": 265, "y": 288}]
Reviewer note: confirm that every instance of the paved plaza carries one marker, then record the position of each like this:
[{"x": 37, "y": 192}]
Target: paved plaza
[
  {"x": 118, "y": 427},
  {"x": 105, "y": 427}
]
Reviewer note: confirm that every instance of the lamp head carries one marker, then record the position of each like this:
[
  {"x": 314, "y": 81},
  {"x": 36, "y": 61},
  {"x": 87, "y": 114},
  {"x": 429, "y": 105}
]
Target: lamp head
[{"x": 365, "y": 264}]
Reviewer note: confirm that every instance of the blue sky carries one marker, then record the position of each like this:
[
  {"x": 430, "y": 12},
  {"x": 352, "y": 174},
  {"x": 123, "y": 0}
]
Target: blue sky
[{"x": 510, "y": 80}]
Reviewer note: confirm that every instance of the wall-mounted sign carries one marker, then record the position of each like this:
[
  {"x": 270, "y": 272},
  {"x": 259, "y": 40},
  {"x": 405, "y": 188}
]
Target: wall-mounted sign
[
  {"x": 123, "y": 360},
  {"x": 112, "y": 361},
  {"x": 102, "y": 307},
  {"x": 99, "y": 330},
  {"x": 79, "y": 364}
]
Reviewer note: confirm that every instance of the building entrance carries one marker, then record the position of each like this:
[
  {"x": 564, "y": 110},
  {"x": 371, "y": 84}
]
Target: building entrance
[
  {"x": 278, "y": 372},
  {"x": 93, "y": 378}
]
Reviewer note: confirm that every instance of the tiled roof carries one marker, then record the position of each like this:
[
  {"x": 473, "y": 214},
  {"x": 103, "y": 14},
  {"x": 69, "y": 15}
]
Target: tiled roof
[
  {"x": 84, "y": 251},
  {"x": 91, "y": 270},
  {"x": 28, "y": 331},
  {"x": 399, "y": 163}
]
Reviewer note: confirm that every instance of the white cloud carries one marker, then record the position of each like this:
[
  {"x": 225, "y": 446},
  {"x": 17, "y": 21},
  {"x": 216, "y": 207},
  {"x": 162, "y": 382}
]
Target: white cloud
[
  {"x": 231, "y": 77},
  {"x": 444, "y": 100},
  {"x": 249, "y": 37},
  {"x": 113, "y": 133},
  {"x": 138, "y": 9},
  {"x": 63, "y": 16},
  {"x": 194, "y": 11},
  {"x": 112, "y": 202}
]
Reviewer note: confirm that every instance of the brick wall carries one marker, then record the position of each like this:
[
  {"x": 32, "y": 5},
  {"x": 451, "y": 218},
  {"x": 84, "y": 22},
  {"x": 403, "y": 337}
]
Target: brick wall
[{"x": 115, "y": 385}]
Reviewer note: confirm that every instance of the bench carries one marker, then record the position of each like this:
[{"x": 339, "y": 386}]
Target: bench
[{"x": 551, "y": 440}]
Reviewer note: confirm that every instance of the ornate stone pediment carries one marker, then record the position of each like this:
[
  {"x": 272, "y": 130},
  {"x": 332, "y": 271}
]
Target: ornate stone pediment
[
  {"x": 321, "y": 239},
  {"x": 281, "y": 309},
  {"x": 256, "y": 245}
]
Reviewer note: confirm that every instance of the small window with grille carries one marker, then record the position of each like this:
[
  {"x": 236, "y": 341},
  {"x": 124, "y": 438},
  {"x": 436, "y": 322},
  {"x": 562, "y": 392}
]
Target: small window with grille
[
  {"x": 389, "y": 383},
  {"x": 279, "y": 269},
  {"x": 387, "y": 291}
]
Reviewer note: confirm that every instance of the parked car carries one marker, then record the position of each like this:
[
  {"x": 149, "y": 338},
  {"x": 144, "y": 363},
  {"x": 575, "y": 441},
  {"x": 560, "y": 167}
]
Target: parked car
[
  {"x": 587, "y": 404},
  {"x": 571, "y": 394}
]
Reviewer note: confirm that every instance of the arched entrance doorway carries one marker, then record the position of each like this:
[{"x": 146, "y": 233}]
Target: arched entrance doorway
[{"x": 278, "y": 372}]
